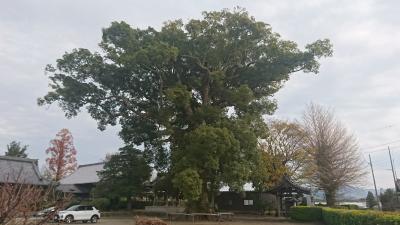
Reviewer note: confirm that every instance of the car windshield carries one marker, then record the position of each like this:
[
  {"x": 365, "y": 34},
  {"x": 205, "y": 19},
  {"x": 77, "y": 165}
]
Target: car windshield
[
  {"x": 49, "y": 209},
  {"x": 73, "y": 208}
]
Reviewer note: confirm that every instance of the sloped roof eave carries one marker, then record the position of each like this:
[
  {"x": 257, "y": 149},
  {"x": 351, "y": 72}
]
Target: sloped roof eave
[
  {"x": 21, "y": 170},
  {"x": 85, "y": 174}
]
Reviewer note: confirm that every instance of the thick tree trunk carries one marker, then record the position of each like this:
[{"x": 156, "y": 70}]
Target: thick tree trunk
[
  {"x": 278, "y": 205},
  {"x": 260, "y": 203},
  {"x": 212, "y": 202},
  {"x": 129, "y": 203},
  {"x": 330, "y": 196},
  {"x": 204, "y": 203},
  {"x": 206, "y": 88}
]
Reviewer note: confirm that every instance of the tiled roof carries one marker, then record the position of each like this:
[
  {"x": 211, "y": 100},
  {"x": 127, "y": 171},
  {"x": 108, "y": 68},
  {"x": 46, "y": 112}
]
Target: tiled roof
[
  {"x": 23, "y": 170},
  {"x": 77, "y": 189},
  {"x": 85, "y": 174},
  {"x": 288, "y": 185}
]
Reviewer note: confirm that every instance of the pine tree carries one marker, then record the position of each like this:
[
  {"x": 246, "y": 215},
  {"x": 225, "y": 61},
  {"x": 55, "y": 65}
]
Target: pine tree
[
  {"x": 370, "y": 200},
  {"x": 15, "y": 149}
]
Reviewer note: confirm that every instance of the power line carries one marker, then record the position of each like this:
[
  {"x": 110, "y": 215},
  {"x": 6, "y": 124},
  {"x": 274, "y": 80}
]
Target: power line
[
  {"x": 382, "y": 128},
  {"x": 380, "y": 150},
  {"x": 380, "y": 145}
]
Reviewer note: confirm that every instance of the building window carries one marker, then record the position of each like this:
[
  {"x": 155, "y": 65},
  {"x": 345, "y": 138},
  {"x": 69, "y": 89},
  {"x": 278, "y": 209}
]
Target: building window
[{"x": 248, "y": 202}]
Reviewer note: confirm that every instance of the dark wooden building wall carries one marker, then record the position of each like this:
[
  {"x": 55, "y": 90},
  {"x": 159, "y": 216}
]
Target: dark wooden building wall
[{"x": 232, "y": 201}]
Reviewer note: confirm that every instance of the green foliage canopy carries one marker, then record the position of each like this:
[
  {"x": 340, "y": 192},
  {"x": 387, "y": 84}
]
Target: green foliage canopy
[
  {"x": 370, "y": 200},
  {"x": 15, "y": 149},
  {"x": 125, "y": 174},
  {"x": 282, "y": 152},
  {"x": 389, "y": 200},
  {"x": 190, "y": 183},
  {"x": 184, "y": 86}
]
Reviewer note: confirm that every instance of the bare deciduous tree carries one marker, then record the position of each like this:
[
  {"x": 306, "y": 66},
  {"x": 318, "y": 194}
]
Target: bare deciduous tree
[
  {"x": 18, "y": 202},
  {"x": 337, "y": 161}
]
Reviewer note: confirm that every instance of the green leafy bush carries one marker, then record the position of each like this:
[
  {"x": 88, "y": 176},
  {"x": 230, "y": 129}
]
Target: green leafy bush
[
  {"x": 305, "y": 213},
  {"x": 101, "y": 203},
  {"x": 331, "y": 216},
  {"x": 358, "y": 217},
  {"x": 347, "y": 206},
  {"x": 140, "y": 204}
]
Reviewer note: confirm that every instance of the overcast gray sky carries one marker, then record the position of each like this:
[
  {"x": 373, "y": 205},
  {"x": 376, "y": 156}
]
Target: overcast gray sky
[{"x": 360, "y": 82}]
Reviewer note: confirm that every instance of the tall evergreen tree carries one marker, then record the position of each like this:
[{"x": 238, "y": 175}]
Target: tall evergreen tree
[
  {"x": 15, "y": 149},
  {"x": 206, "y": 84},
  {"x": 389, "y": 200},
  {"x": 370, "y": 200},
  {"x": 125, "y": 175}
]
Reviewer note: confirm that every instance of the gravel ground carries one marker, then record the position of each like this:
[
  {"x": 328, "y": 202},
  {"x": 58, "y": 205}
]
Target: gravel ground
[{"x": 258, "y": 221}]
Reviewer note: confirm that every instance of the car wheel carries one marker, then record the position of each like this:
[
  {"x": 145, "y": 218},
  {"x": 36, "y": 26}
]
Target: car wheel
[
  {"x": 94, "y": 219},
  {"x": 69, "y": 219}
]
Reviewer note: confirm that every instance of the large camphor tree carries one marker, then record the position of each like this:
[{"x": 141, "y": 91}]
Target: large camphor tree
[{"x": 192, "y": 94}]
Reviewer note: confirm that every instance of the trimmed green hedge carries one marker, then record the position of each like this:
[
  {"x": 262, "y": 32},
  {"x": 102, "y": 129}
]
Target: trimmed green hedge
[
  {"x": 358, "y": 217},
  {"x": 332, "y": 216},
  {"x": 305, "y": 213}
]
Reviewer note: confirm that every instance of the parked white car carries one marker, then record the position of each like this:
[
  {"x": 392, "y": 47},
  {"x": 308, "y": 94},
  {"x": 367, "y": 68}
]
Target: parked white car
[
  {"x": 44, "y": 212},
  {"x": 82, "y": 213}
]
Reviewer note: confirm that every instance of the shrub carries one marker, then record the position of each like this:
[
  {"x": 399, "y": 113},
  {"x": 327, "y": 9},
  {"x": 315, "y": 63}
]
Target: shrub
[
  {"x": 332, "y": 216},
  {"x": 140, "y": 204},
  {"x": 358, "y": 217},
  {"x": 305, "y": 213},
  {"x": 348, "y": 206},
  {"x": 101, "y": 203}
]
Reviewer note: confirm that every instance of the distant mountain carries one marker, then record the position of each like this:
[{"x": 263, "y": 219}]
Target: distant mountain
[
  {"x": 353, "y": 193},
  {"x": 346, "y": 194}
]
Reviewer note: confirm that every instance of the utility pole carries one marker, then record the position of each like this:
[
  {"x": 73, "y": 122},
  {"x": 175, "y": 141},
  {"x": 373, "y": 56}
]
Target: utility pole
[
  {"x": 391, "y": 163},
  {"x": 394, "y": 174},
  {"x": 373, "y": 177}
]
